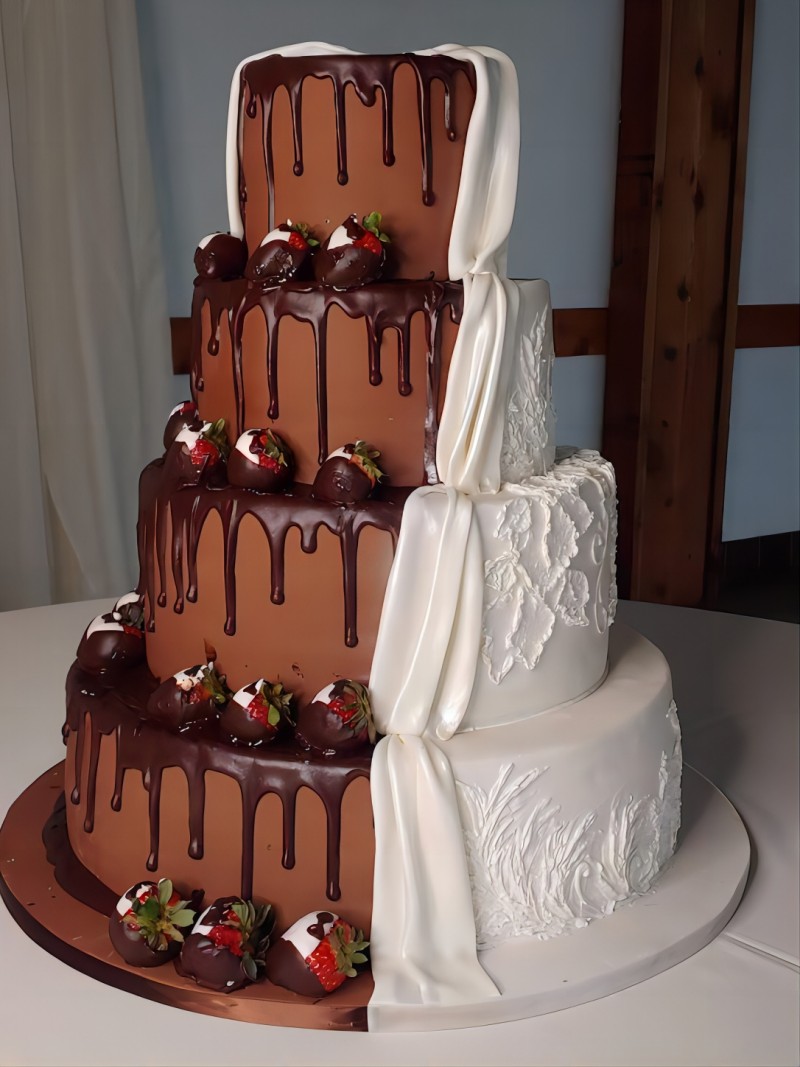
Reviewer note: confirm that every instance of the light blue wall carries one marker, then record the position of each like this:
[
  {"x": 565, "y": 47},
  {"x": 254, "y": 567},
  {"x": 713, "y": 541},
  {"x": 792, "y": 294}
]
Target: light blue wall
[
  {"x": 762, "y": 489},
  {"x": 567, "y": 54}
]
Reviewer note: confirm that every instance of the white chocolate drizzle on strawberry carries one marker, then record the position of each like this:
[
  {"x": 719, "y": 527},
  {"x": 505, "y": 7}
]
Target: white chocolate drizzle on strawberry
[
  {"x": 191, "y": 677},
  {"x": 243, "y": 445},
  {"x": 191, "y": 437},
  {"x": 280, "y": 233},
  {"x": 209, "y": 237},
  {"x": 110, "y": 621},
  {"x": 339, "y": 238},
  {"x": 201, "y": 927},
  {"x": 299, "y": 936},
  {"x": 142, "y": 891},
  {"x": 245, "y": 696},
  {"x": 127, "y": 598},
  {"x": 324, "y": 695},
  {"x": 180, "y": 408}
]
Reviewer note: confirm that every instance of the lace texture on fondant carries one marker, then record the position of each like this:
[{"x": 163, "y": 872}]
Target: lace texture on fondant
[
  {"x": 534, "y": 873},
  {"x": 536, "y": 579}
]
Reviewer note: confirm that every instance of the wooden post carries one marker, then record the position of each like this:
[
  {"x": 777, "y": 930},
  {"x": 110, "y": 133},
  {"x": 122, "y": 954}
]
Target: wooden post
[{"x": 672, "y": 305}]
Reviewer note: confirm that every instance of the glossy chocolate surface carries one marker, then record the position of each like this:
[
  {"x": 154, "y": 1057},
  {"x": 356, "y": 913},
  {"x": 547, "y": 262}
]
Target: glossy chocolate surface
[
  {"x": 300, "y": 385},
  {"x": 221, "y": 258},
  {"x": 95, "y": 711},
  {"x": 323, "y": 136}
]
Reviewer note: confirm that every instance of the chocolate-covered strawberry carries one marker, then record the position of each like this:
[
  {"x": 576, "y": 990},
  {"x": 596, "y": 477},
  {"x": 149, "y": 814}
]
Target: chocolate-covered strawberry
[
  {"x": 116, "y": 638},
  {"x": 227, "y": 946},
  {"x": 189, "y": 697},
  {"x": 284, "y": 254},
  {"x": 349, "y": 474},
  {"x": 199, "y": 453},
  {"x": 220, "y": 257},
  {"x": 337, "y": 721},
  {"x": 261, "y": 460},
  {"x": 182, "y": 417},
  {"x": 316, "y": 955},
  {"x": 257, "y": 713},
  {"x": 354, "y": 254},
  {"x": 149, "y": 923}
]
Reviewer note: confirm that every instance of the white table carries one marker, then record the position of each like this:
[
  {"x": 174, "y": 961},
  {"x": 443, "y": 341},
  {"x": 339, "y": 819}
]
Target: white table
[{"x": 735, "y": 1002}]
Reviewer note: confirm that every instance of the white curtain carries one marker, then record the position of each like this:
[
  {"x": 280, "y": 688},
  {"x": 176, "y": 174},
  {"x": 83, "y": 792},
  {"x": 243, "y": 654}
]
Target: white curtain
[{"x": 84, "y": 333}]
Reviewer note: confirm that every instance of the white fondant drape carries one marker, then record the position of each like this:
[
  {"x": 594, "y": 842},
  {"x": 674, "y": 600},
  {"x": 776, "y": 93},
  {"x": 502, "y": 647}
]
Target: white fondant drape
[{"x": 84, "y": 364}]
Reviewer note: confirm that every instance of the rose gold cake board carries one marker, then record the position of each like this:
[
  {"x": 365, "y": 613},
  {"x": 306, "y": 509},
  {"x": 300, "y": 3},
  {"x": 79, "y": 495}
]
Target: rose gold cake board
[
  {"x": 694, "y": 898},
  {"x": 78, "y": 935}
]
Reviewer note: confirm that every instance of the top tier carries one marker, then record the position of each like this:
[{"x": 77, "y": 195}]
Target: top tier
[{"x": 317, "y": 133}]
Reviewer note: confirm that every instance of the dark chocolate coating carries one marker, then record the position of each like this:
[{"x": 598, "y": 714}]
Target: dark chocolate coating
[
  {"x": 247, "y": 475},
  {"x": 286, "y": 967},
  {"x": 223, "y": 258},
  {"x": 341, "y": 482},
  {"x": 108, "y": 649},
  {"x": 237, "y": 723},
  {"x": 348, "y": 266},
  {"x": 321, "y": 731},
  {"x": 131, "y": 945},
  {"x": 277, "y": 261},
  {"x": 212, "y": 966},
  {"x": 134, "y": 949},
  {"x": 170, "y": 707},
  {"x": 177, "y": 422}
]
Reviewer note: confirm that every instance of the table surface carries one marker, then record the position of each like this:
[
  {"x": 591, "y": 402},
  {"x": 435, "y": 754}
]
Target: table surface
[{"x": 734, "y": 1002}]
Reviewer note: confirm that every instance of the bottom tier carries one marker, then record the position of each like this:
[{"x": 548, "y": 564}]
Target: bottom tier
[{"x": 565, "y": 814}]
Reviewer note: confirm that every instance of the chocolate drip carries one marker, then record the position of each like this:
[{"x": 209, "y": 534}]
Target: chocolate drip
[
  {"x": 280, "y": 768},
  {"x": 368, "y": 76},
  {"x": 383, "y": 306},
  {"x": 221, "y": 297},
  {"x": 275, "y": 513}
]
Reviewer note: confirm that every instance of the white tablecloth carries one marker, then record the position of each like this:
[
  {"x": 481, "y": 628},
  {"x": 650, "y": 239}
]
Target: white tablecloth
[{"x": 735, "y": 1002}]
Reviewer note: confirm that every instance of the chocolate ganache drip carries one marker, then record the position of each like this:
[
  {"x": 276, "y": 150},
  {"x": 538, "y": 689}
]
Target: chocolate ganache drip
[
  {"x": 105, "y": 710},
  {"x": 189, "y": 509},
  {"x": 370, "y": 77},
  {"x": 383, "y": 306}
]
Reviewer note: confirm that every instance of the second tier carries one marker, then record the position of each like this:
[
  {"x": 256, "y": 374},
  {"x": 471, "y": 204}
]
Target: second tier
[{"x": 291, "y": 588}]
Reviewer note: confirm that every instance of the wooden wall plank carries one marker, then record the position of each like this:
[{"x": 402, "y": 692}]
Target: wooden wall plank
[
  {"x": 640, "y": 153},
  {"x": 664, "y": 427},
  {"x": 768, "y": 325}
]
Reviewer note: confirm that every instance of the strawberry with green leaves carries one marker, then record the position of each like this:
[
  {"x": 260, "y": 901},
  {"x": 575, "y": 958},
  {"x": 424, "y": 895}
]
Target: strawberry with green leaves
[
  {"x": 183, "y": 416},
  {"x": 188, "y": 698},
  {"x": 316, "y": 955},
  {"x": 262, "y": 461},
  {"x": 283, "y": 255},
  {"x": 257, "y": 713},
  {"x": 349, "y": 474},
  {"x": 149, "y": 923},
  {"x": 337, "y": 721},
  {"x": 115, "y": 639},
  {"x": 228, "y": 944},
  {"x": 354, "y": 254}
]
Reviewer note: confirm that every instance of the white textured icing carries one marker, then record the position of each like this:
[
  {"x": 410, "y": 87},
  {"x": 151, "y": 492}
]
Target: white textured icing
[
  {"x": 303, "y": 941},
  {"x": 569, "y": 814}
]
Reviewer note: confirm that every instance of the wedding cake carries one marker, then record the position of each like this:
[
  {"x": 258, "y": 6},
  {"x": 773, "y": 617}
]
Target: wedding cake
[{"x": 369, "y": 670}]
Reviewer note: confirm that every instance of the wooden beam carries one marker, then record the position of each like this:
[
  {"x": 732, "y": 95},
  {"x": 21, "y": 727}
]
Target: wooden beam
[
  {"x": 768, "y": 326},
  {"x": 640, "y": 152},
  {"x": 672, "y": 305}
]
